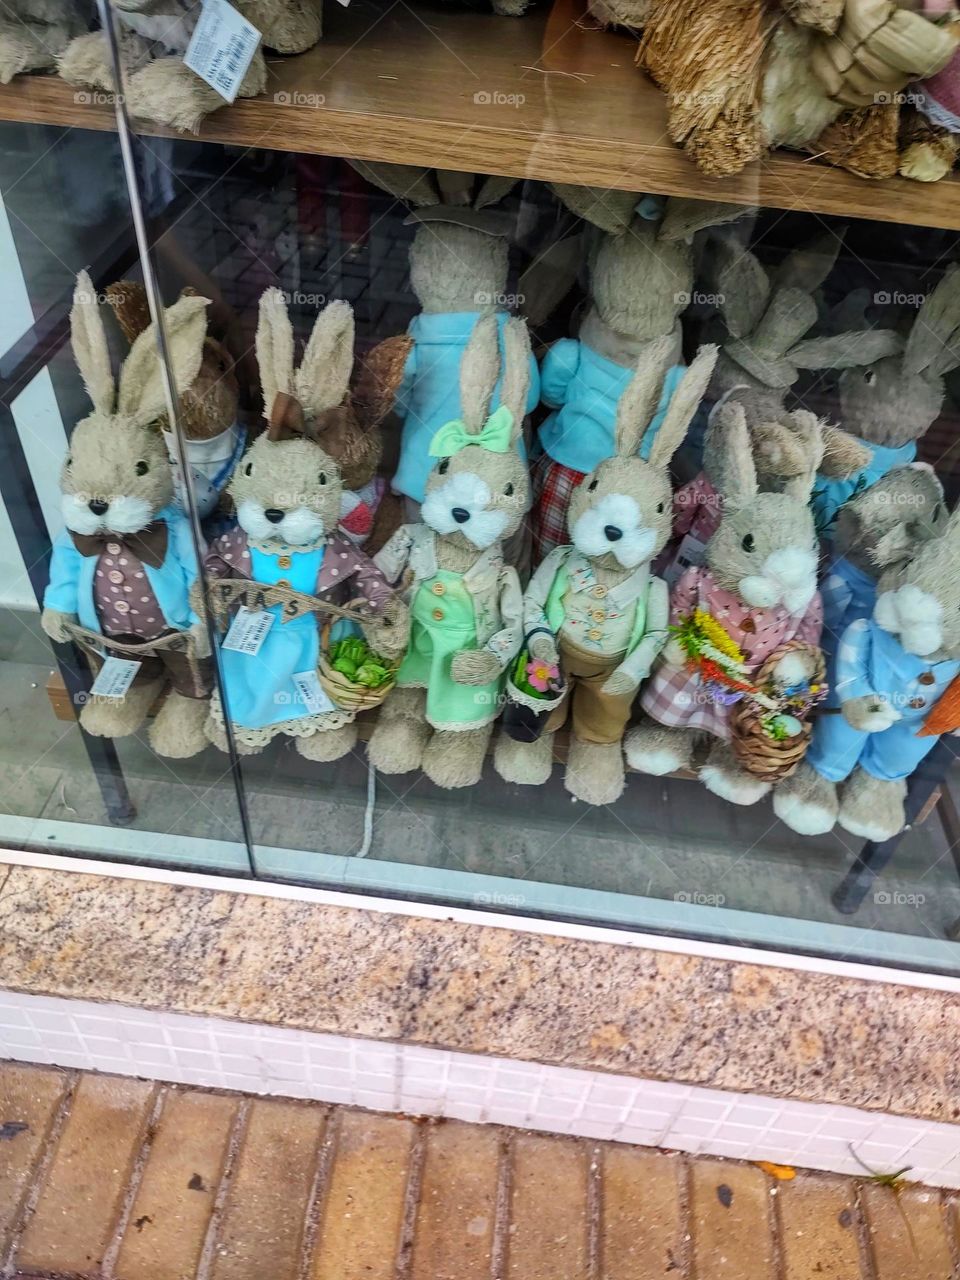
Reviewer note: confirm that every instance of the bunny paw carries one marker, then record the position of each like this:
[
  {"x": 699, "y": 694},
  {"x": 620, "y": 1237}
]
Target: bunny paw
[
  {"x": 397, "y": 745},
  {"x": 806, "y": 802},
  {"x": 722, "y": 776},
  {"x": 527, "y": 764},
  {"x": 86, "y": 62},
  {"x": 658, "y": 751},
  {"x": 455, "y": 759},
  {"x": 331, "y": 745},
  {"x": 871, "y": 807},
  {"x": 118, "y": 717},
  {"x": 178, "y": 730},
  {"x": 595, "y": 772}
]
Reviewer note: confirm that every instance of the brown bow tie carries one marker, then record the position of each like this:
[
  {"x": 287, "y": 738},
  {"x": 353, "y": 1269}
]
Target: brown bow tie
[{"x": 149, "y": 545}]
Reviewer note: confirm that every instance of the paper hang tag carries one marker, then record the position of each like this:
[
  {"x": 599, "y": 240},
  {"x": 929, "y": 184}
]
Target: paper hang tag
[
  {"x": 310, "y": 693},
  {"x": 115, "y": 677},
  {"x": 691, "y": 551},
  {"x": 222, "y": 47},
  {"x": 248, "y": 630}
]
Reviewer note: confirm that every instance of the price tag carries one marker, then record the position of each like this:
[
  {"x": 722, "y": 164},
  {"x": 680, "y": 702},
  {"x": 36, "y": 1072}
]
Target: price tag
[
  {"x": 310, "y": 693},
  {"x": 248, "y": 630},
  {"x": 691, "y": 551},
  {"x": 115, "y": 677},
  {"x": 222, "y": 47}
]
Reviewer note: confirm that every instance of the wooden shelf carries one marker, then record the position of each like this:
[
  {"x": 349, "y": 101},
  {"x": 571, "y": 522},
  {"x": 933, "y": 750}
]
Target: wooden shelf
[{"x": 538, "y": 97}]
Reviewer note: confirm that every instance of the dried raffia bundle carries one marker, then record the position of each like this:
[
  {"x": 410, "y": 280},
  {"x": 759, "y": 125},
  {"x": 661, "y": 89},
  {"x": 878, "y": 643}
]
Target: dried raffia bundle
[
  {"x": 709, "y": 61},
  {"x": 865, "y": 141},
  {"x": 743, "y": 76}
]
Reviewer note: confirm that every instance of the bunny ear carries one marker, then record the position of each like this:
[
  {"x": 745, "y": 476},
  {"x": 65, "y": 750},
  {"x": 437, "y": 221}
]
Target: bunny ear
[
  {"x": 89, "y": 340},
  {"x": 683, "y": 405},
  {"x": 810, "y": 434},
  {"x": 845, "y": 350},
  {"x": 479, "y": 370},
  {"x": 142, "y": 395},
  {"x": 683, "y": 217},
  {"x": 274, "y": 349},
  {"x": 641, "y": 396},
  {"x": 611, "y": 211},
  {"x": 934, "y": 342},
  {"x": 744, "y": 287},
  {"x": 737, "y": 478},
  {"x": 516, "y": 371},
  {"x": 376, "y": 377},
  {"x": 323, "y": 379},
  {"x": 406, "y": 182},
  {"x": 807, "y": 267},
  {"x": 128, "y": 301}
]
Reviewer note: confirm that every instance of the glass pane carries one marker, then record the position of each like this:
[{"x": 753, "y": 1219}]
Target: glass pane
[
  {"x": 697, "y": 774},
  {"x": 64, "y": 210}
]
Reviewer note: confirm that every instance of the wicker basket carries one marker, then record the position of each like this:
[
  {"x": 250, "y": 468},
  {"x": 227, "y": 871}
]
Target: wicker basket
[
  {"x": 343, "y": 692},
  {"x": 759, "y": 754}
]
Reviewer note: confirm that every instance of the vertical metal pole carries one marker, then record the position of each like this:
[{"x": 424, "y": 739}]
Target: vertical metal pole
[{"x": 170, "y": 392}]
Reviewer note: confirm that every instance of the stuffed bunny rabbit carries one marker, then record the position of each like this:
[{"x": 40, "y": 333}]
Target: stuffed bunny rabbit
[
  {"x": 765, "y": 315},
  {"x": 125, "y": 564},
  {"x": 756, "y": 594},
  {"x": 594, "y": 606},
  {"x": 287, "y": 491},
  {"x": 641, "y": 277},
  {"x": 891, "y": 669},
  {"x": 876, "y": 531},
  {"x": 369, "y": 513},
  {"x": 458, "y": 271},
  {"x": 893, "y": 401},
  {"x": 214, "y": 438},
  {"x": 154, "y": 35},
  {"x": 34, "y": 32},
  {"x": 465, "y": 601}
]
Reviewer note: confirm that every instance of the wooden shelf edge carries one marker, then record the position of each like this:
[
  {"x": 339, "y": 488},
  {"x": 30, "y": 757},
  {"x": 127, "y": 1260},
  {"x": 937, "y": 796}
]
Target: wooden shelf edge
[{"x": 587, "y": 115}]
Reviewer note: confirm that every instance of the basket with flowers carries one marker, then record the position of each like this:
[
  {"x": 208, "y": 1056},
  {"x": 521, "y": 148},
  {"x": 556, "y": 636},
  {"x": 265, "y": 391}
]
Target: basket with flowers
[
  {"x": 770, "y": 722},
  {"x": 534, "y": 688}
]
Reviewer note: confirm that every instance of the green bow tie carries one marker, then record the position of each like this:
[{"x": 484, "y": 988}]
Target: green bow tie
[{"x": 495, "y": 436}]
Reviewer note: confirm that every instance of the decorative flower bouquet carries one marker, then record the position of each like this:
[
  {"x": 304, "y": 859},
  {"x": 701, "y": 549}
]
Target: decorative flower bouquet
[
  {"x": 534, "y": 688},
  {"x": 770, "y": 723}
]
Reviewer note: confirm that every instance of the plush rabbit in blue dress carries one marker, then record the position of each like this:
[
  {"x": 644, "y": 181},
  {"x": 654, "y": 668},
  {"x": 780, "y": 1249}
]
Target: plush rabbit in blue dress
[{"x": 288, "y": 490}]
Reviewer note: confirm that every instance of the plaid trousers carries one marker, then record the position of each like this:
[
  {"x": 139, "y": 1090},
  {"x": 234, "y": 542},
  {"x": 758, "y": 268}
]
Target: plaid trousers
[{"x": 553, "y": 484}]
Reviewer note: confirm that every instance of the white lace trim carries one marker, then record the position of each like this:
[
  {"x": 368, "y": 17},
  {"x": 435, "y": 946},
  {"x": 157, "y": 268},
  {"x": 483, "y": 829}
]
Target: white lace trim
[{"x": 301, "y": 727}]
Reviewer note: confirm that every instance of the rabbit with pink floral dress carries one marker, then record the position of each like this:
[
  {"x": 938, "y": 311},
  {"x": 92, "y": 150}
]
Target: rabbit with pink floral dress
[{"x": 756, "y": 594}]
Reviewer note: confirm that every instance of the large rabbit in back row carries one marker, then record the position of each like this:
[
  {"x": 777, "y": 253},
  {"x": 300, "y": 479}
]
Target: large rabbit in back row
[
  {"x": 641, "y": 278},
  {"x": 125, "y": 564},
  {"x": 757, "y": 594},
  {"x": 766, "y": 315},
  {"x": 287, "y": 491},
  {"x": 465, "y": 600},
  {"x": 459, "y": 268},
  {"x": 593, "y": 606},
  {"x": 897, "y": 397}
]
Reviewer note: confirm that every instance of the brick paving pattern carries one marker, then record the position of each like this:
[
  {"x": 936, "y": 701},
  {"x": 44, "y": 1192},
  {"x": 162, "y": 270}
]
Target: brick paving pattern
[{"x": 105, "y": 1178}]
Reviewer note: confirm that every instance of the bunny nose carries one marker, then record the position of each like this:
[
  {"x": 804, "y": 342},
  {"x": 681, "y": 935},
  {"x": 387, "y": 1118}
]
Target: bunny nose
[
  {"x": 98, "y": 506},
  {"x": 613, "y": 534},
  {"x": 460, "y": 515},
  {"x": 273, "y": 515}
]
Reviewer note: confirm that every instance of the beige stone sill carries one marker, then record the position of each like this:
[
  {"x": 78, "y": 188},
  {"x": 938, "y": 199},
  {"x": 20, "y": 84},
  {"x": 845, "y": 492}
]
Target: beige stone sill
[{"x": 722, "y": 1024}]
